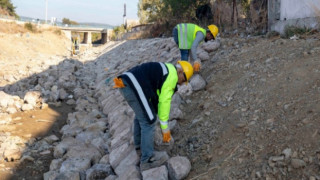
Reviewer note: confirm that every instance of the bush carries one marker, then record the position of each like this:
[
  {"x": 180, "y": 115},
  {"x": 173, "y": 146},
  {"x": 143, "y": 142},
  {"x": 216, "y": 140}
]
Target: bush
[
  {"x": 292, "y": 30},
  {"x": 30, "y": 27}
]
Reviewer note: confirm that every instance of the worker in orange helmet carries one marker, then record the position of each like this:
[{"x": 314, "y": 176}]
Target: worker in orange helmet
[
  {"x": 148, "y": 89},
  {"x": 188, "y": 36}
]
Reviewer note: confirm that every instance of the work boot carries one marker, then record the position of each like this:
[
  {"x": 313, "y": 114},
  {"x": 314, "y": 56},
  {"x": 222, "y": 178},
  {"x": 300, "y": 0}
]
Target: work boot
[{"x": 158, "y": 158}]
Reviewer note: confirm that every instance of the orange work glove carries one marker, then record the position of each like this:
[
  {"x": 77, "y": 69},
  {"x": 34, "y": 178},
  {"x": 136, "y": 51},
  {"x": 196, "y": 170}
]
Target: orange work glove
[
  {"x": 166, "y": 135},
  {"x": 196, "y": 66},
  {"x": 118, "y": 83}
]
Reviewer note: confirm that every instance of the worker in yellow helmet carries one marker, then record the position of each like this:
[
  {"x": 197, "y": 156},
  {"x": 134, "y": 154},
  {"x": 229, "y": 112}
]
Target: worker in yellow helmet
[
  {"x": 188, "y": 36},
  {"x": 148, "y": 89}
]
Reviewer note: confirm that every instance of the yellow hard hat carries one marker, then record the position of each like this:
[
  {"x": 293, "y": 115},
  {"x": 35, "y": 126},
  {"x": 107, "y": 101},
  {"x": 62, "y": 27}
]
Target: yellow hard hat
[
  {"x": 213, "y": 29},
  {"x": 187, "y": 69}
]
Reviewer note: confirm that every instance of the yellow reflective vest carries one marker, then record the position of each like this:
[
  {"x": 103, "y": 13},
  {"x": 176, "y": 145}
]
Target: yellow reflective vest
[{"x": 187, "y": 33}]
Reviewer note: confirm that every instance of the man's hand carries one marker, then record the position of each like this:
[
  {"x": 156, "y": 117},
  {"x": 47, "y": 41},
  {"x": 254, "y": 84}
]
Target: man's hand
[
  {"x": 166, "y": 135},
  {"x": 197, "y": 66}
]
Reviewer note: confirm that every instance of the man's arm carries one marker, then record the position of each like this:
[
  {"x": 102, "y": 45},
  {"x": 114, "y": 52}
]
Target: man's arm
[{"x": 196, "y": 42}]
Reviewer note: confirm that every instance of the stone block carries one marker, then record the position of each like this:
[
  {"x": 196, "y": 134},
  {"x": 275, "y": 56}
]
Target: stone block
[
  {"x": 131, "y": 160},
  {"x": 197, "y": 82},
  {"x": 178, "y": 167},
  {"x": 75, "y": 164},
  {"x": 99, "y": 171},
  {"x": 159, "y": 173}
]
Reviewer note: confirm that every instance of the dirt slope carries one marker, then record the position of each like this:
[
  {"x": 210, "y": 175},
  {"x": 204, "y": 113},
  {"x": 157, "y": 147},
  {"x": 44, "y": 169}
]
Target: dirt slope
[
  {"x": 21, "y": 48},
  {"x": 261, "y": 103}
]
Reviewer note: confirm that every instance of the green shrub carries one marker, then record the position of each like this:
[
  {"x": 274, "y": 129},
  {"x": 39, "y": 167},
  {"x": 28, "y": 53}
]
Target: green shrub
[
  {"x": 292, "y": 30},
  {"x": 30, "y": 27}
]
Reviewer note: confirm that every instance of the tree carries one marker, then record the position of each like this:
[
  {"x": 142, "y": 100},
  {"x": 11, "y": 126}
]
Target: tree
[
  {"x": 234, "y": 17},
  {"x": 8, "y": 6},
  {"x": 149, "y": 10},
  {"x": 168, "y": 11},
  {"x": 69, "y": 22}
]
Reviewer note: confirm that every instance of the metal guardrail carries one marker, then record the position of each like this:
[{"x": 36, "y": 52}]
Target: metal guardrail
[{"x": 59, "y": 24}]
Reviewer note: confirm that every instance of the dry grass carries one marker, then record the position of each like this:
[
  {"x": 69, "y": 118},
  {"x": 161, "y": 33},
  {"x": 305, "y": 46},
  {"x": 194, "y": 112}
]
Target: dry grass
[
  {"x": 11, "y": 28},
  {"x": 18, "y": 43}
]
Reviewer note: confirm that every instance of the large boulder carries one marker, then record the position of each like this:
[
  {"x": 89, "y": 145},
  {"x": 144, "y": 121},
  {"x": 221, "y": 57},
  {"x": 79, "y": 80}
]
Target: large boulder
[
  {"x": 178, "y": 167},
  {"x": 197, "y": 82},
  {"x": 159, "y": 173}
]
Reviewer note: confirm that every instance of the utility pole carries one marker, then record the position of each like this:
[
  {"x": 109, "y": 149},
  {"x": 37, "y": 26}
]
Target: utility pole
[
  {"x": 46, "y": 11},
  {"x": 124, "y": 17}
]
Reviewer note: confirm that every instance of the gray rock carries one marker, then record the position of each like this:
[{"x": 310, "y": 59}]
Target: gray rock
[
  {"x": 63, "y": 146},
  {"x": 118, "y": 154},
  {"x": 50, "y": 175},
  {"x": 104, "y": 159},
  {"x": 99, "y": 171},
  {"x": 131, "y": 173},
  {"x": 87, "y": 136},
  {"x": 51, "y": 139},
  {"x": 71, "y": 102},
  {"x": 111, "y": 177},
  {"x": 175, "y": 113},
  {"x": 83, "y": 151},
  {"x": 70, "y": 131},
  {"x": 297, "y": 163},
  {"x": 55, "y": 164},
  {"x": 131, "y": 160},
  {"x": 178, "y": 167},
  {"x": 204, "y": 56},
  {"x": 159, "y": 173},
  {"x": 197, "y": 82},
  {"x": 70, "y": 175},
  {"x": 62, "y": 94},
  {"x": 185, "y": 89},
  {"x": 26, "y": 158},
  {"x": 98, "y": 126},
  {"x": 100, "y": 144},
  {"x": 75, "y": 164},
  {"x": 287, "y": 153}
]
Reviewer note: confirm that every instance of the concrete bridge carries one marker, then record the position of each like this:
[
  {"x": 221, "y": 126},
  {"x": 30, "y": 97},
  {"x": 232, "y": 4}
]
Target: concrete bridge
[{"x": 105, "y": 33}]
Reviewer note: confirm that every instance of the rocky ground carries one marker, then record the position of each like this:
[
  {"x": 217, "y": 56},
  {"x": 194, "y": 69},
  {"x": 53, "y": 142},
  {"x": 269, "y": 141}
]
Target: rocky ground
[{"x": 251, "y": 113}]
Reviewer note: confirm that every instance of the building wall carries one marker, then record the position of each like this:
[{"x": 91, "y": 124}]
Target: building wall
[
  {"x": 294, "y": 9},
  {"x": 273, "y": 12},
  {"x": 298, "y": 13}
]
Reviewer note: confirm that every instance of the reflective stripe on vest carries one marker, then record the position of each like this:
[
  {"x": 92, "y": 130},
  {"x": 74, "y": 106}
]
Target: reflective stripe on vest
[
  {"x": 183, "y": 30},
  {"x": 164, "y": 69},
  {"x": 164, "y": 124},
  {"x": 140, "y": 92}
]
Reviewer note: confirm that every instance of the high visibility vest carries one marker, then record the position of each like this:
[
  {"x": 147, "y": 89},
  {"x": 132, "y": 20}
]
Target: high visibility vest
[{"x": 187, "y": 33}]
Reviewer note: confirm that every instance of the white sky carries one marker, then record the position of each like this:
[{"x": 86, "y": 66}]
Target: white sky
[{"x": 98, "y": 11}]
